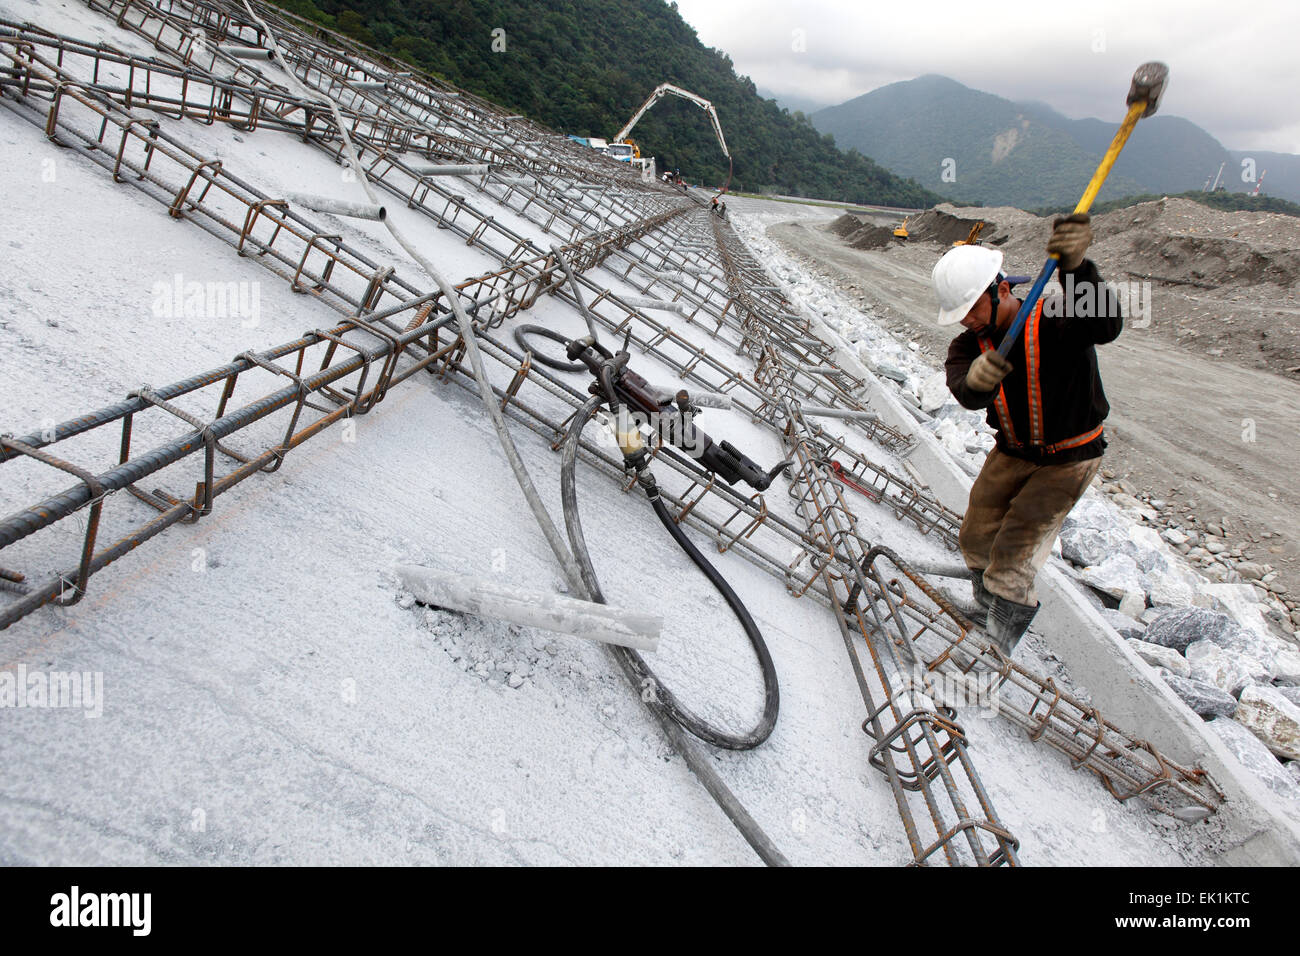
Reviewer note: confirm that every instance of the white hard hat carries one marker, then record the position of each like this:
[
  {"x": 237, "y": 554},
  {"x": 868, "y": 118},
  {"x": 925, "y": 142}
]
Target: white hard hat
[{"x": 961, "y": 277}]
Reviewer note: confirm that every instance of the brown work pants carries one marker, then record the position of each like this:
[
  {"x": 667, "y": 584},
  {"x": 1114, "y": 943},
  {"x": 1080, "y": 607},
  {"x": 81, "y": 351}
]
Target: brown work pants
[{"x": 1016, "y": 509}]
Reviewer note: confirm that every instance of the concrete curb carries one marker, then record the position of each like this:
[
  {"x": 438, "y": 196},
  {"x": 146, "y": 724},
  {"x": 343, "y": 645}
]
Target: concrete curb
[{"x": 1256, "y": 830}]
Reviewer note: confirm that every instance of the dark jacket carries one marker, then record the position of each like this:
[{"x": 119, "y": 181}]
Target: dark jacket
[{"x": 1072, "y": 397}]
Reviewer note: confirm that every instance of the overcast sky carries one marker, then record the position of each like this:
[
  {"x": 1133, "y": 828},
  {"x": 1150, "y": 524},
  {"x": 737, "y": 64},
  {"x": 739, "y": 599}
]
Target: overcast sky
[{"x": 1232, "y": 66}]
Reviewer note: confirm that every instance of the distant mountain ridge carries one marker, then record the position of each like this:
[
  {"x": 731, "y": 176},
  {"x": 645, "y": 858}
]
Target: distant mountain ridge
[
  {"x": 998, "y": 152},
  {"x": 793, "y": 102}
]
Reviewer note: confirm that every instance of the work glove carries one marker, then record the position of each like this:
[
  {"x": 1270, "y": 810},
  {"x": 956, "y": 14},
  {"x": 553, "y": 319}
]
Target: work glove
[
  {"x": 987, "y": 371},
  {"x": 1071, "y": 237}
]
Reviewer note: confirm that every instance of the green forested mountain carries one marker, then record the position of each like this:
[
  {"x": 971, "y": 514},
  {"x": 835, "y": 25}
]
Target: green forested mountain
[
  {"x": 585, "y": 66},
  {"x": 1027, "y": 154}
]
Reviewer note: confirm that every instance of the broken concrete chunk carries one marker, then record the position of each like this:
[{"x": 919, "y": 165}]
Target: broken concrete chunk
[
  {"x": 934, "y": 391},
  {"x": 1286, "y": 664},
  {"x": 1167, "y": 592},
  {"x": 1272, "y": 718},
  {"x": 1290, "y": 693},
  {"x": 1255, "y": 757},
  {"x": 1158, "y": 656},
  {"x": 1204, "y": 699},
  {"x": 1126, "y": 626},
  {"x": 1180, "y": 627},
  {"x": 889, "y": 371},
  {"x": 1117, "y": 576},
  {"x": 1211, "y": 664}
]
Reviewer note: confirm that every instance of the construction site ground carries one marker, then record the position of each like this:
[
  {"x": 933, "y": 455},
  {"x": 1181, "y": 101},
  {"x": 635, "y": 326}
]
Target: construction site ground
[{"x": 1188, "y": 392}]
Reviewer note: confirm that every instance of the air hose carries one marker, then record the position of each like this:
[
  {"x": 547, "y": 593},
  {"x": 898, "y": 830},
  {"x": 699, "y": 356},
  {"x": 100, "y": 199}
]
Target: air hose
[
  {"x": 541, "y": 358},
  {"x": 643, "y": 676}
]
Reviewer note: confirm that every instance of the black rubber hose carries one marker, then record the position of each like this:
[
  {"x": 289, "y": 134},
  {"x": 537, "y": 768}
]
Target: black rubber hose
[
  {"x": 522, "y": 330},
  {"x": 645, "y": 677},
  {"x": 635, "y": 670},
  {"x": 771, "y": 688}
]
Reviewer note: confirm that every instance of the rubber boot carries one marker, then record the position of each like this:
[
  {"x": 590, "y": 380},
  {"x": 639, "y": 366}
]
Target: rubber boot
[
  {"x": 1007, "y": 623},
  {"x": 982, "y": 596}
]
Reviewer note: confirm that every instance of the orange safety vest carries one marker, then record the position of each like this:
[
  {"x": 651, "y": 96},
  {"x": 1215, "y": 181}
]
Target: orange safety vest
[{"x": 1032, "y": 366}]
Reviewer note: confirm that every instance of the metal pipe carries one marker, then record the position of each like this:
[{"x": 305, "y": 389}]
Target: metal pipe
[
  {"x": 246, "y": 52},
  {"x": 942, "y": 569},
  {"x": 484, "y": 597},
  {"x": 821, "y": 411},
  {"x": 340, "y": 207},
  {"x": 711, "y": 400},
  {"x": 662, "y": 305},
  {"x": 447, "y": 169}
]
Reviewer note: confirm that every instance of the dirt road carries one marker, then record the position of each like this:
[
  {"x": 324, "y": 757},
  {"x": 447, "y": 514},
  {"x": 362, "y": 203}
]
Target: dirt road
[{"x": 1210, "y": 437}]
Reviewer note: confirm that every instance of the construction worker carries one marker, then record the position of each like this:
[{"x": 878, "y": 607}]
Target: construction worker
[{"x": 1046, "y": 402}]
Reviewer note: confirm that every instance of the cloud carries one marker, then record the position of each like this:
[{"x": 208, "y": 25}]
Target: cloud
[{"x": 1230, "y": 72}]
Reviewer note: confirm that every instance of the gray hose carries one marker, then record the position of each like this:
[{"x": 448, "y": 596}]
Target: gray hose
[{"x": 563, "y": 260}]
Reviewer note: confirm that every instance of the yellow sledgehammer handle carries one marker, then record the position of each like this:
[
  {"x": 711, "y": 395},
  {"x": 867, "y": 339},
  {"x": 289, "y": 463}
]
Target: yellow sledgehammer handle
[
  {"x": 1144, "y": 96},
  {"x": 1112, "y": 154}
]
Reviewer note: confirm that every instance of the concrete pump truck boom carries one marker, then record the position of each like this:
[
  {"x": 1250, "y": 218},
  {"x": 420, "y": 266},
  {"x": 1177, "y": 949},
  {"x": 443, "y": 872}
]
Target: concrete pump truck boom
[{"x": 621, "y": 137}]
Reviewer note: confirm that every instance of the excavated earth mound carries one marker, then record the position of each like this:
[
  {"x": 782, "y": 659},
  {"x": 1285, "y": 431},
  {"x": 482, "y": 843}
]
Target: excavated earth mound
[
  {"x": 1208, "y": 263},
  {"x": 872, "y": 237},
  {"x": 936, "y": 225},
  {"x": 846, "y": 225}
]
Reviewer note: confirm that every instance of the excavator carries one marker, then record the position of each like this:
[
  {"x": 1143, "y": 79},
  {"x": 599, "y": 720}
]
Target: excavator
[
  {"x": 631, "y": 152},
  {"x": 973, "y": 239}
]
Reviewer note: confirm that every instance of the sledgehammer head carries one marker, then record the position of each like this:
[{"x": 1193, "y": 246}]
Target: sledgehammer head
[{"x": 1148, "y": 86}]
